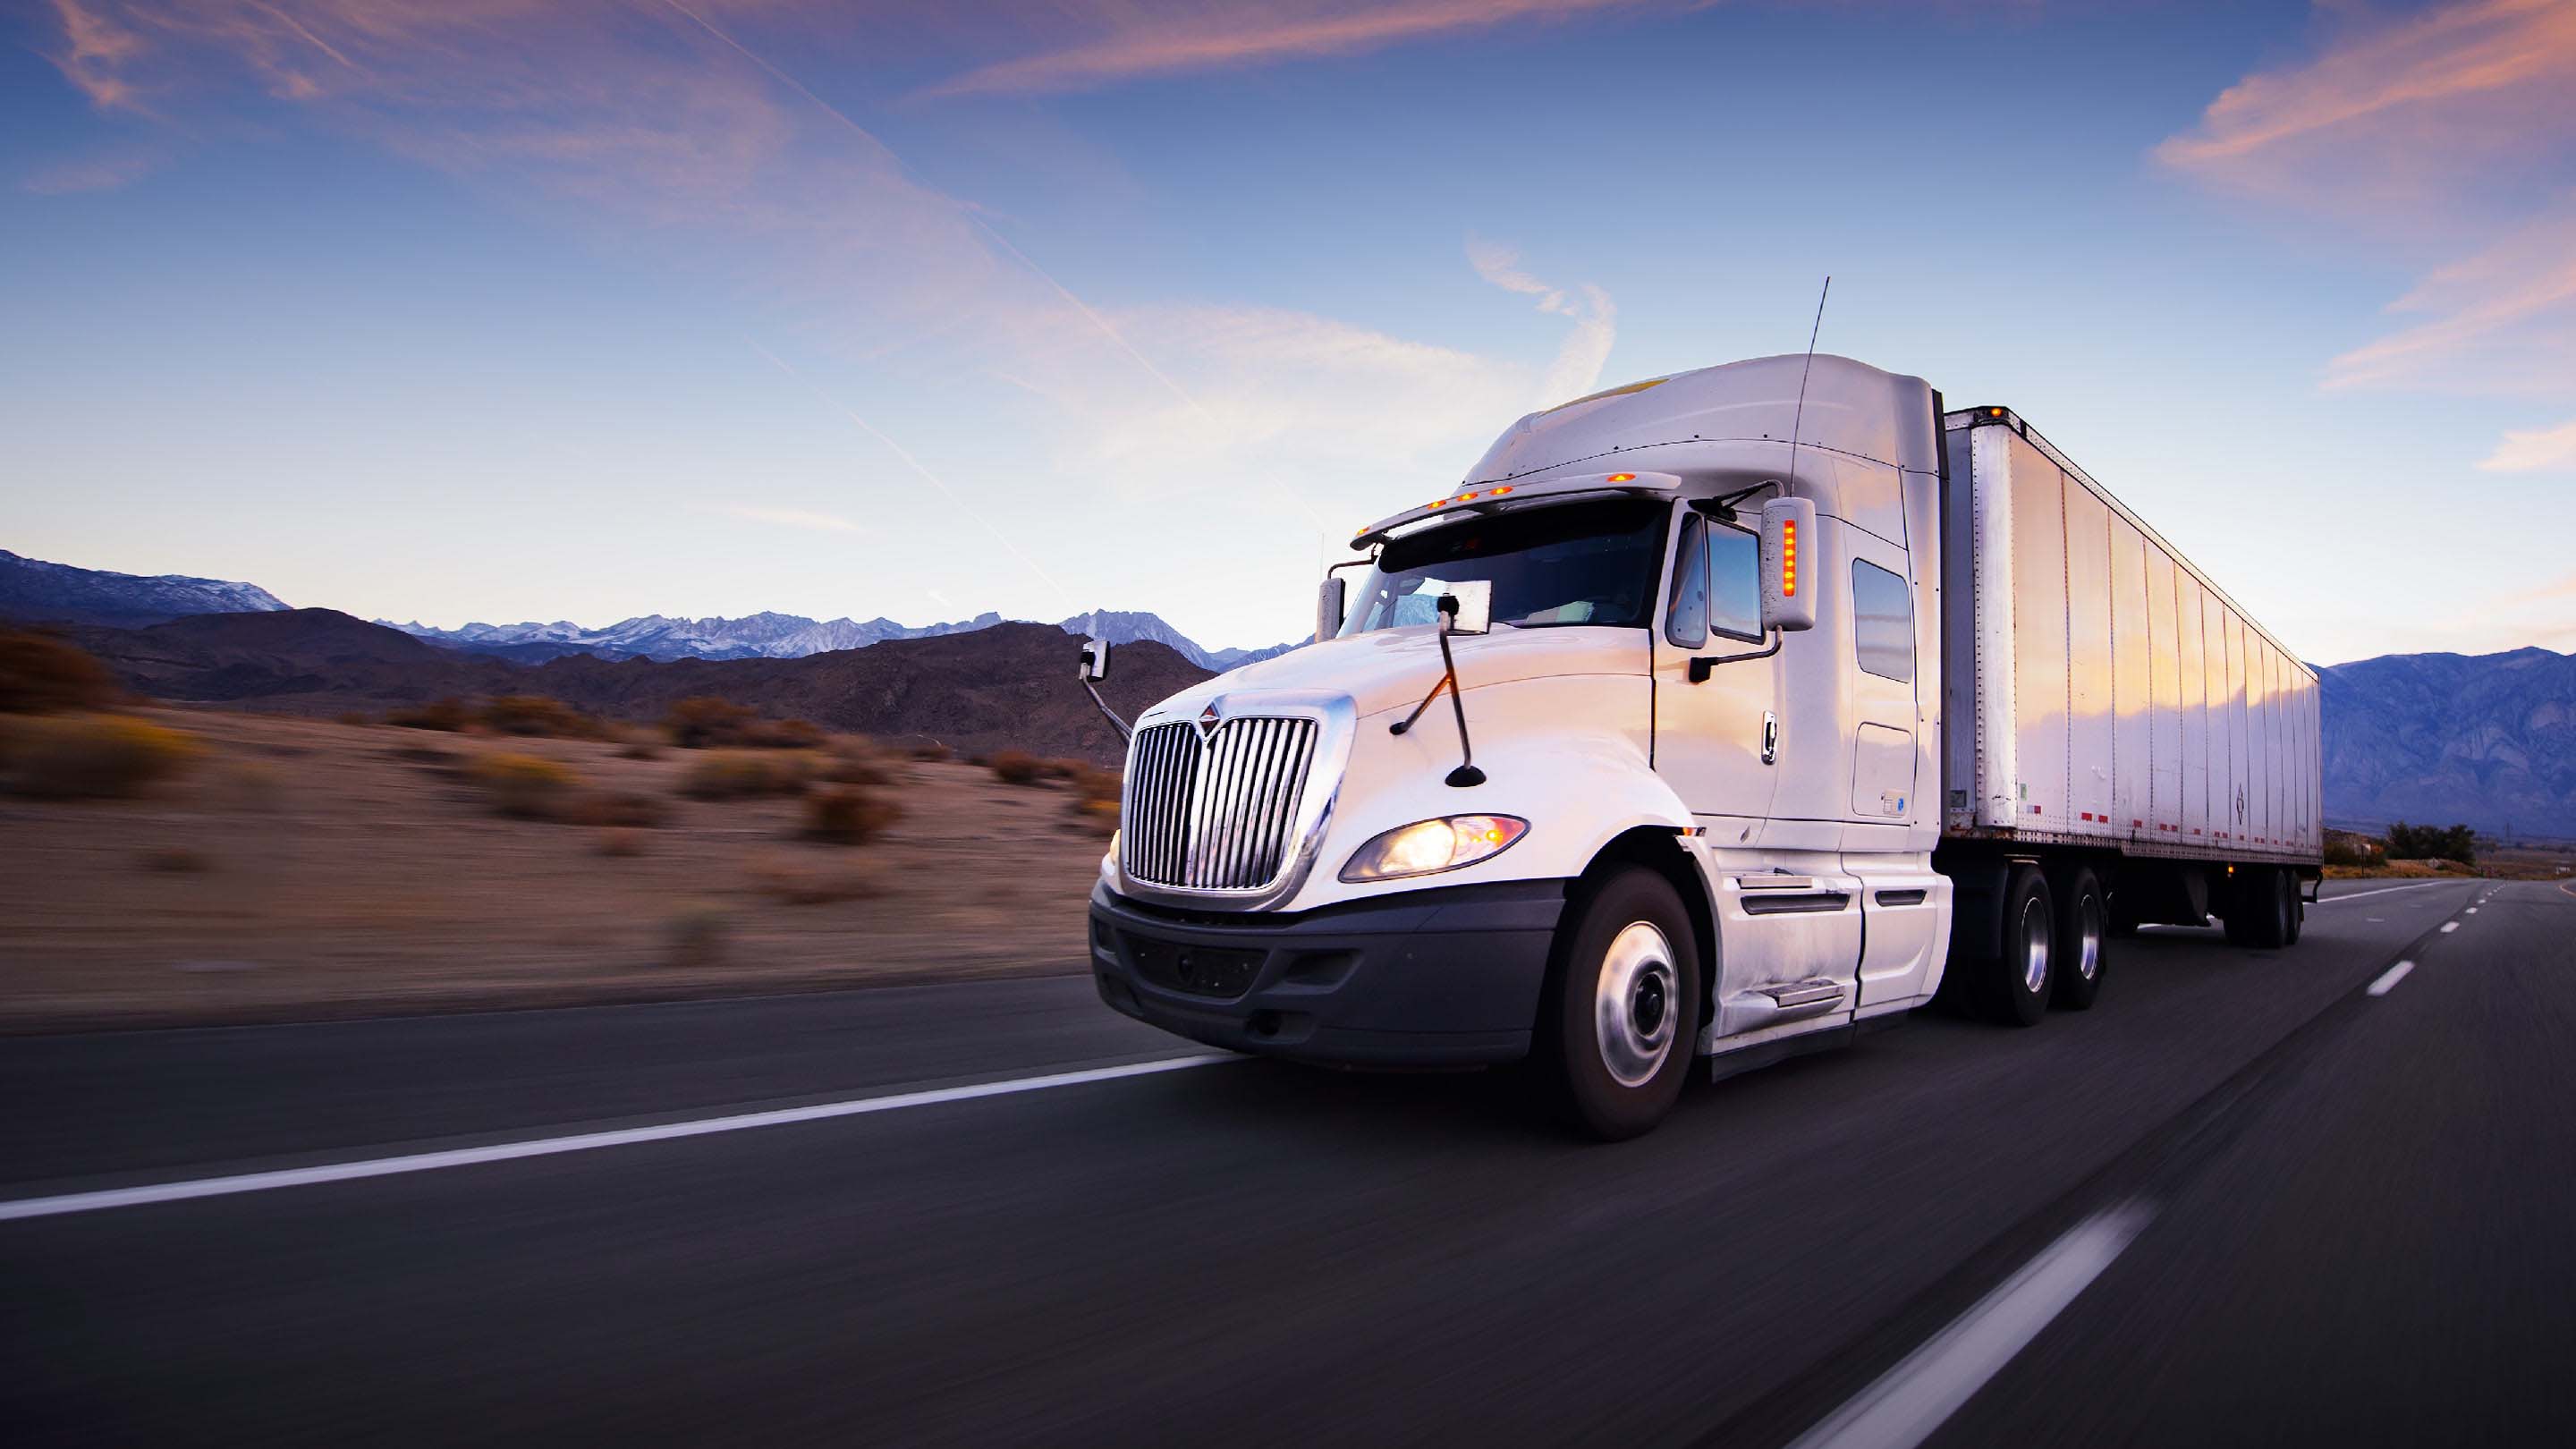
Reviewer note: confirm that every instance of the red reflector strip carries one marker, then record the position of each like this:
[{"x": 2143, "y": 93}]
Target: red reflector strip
[{"x": 2137, "y": 825}]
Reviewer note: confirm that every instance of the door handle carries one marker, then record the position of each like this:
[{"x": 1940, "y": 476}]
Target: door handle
[{"x": 1770, "y": 737}]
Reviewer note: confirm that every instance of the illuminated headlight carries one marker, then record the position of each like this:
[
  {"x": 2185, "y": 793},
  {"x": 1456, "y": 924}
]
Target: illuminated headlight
[{"x": 1427, "y": 847}]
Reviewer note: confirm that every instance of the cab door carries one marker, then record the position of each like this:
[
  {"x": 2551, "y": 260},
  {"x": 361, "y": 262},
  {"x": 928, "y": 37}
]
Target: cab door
[{"x": 1717, "y": 737}]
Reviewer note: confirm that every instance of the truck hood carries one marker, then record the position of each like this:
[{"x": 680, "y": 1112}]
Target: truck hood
[{"x": 1394, "y": 668}]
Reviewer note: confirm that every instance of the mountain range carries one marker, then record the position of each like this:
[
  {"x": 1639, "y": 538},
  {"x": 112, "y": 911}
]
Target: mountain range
[
  {"x": 40, "y": 592},
  {"x": 786, "y": 636},
  {"x": 2487, "y": 740}
]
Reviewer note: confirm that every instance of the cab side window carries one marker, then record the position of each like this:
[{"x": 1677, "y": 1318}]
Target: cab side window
[
  {"x": 1686, "y": 613},
  {"x": 1882, "y": 622}
]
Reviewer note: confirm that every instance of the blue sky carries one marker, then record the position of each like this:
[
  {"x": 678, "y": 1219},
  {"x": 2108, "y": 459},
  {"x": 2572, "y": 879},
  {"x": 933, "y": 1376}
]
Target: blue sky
[{"x": 505, "y": 309}]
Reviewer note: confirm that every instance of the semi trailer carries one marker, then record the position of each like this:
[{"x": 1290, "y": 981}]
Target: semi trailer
[{"x": 1715, "y": 718}]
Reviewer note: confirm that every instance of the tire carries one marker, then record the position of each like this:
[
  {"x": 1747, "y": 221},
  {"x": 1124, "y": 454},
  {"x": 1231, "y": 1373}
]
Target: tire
[
  {"x": 1623, "y": 1026},
  {"x": 2013, "y": 989},
  {"x": 2298, "y": 911},
  {"x": 2276, "y": 912},
  {"x": 2083, "y": 940}
]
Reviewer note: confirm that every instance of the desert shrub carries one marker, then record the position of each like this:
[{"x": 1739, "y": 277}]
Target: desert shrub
[
  {"x": 91, "y": 756},
  {"x": 744, "y": 776},
  {"x": 706, "y": 721},
  {"x": 1090, "y": 782},
  {"x": 614, "y": 809},
  {"x": 851, "y": 760},
  {"x": 523, "y": 787},
  {"x": 786, "y": 734},
  {"x": 849, "y": 815},
  {"x": 448, "y": 714},
  {"x": 2344, "y": 848},
  {"x": 638, "y": 744},
  {"x": 539, "y": 716},
  {"x": 2432, "y": 842},
  {"x": 40, "y": 674},
  {"x": 1017, "y": 767},
  {"x": 927, "y": 751}
]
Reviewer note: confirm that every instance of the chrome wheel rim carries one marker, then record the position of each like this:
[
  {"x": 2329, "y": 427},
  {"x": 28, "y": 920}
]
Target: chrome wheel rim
[
  {"x": 2089, "y": 928},
  {"x": 1635, "y": 1003},
  {"x": 2034, "y": 946}
]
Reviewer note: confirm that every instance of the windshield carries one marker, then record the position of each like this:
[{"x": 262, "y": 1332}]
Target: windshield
[{"x": 1573, "y": 563}]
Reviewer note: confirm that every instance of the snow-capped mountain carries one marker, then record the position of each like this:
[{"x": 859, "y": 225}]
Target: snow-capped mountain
[
  {"x": 787, "y": 636},
  {"x": 35, "y": 590}
]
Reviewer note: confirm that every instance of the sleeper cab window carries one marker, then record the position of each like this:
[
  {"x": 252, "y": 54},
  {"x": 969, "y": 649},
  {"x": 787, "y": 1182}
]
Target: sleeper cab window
[{"x": 1882, "y": 622}]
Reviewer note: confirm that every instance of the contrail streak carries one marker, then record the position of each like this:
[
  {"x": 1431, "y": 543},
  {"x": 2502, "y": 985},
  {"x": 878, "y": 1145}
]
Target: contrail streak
[
  {"x": 915, "y": 464},
  {"x": 1061, "y": 290}
]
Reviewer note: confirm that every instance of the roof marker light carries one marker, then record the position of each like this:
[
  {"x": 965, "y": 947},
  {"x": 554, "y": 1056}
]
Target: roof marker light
[{"x": 1623, "y": 477}]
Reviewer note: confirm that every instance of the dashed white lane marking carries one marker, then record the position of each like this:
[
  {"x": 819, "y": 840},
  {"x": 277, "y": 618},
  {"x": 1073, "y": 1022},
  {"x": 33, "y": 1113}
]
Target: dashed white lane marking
[
  {"x": 2389, "y": 978},
  {"x": 89, "y": 1202},
  {"x": 2382, "y": 891},
  {"x": 2471, "y": 911},
  {"x": 2374, "y": 918},
  {"x": 2449, "y": 926},
  {"x": 1914, "y": 1398}
]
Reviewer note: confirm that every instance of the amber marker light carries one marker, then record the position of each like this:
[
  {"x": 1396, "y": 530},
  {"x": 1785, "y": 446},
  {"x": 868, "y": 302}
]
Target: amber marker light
[
  {"x": 1623, "y": 477},
  {"x": 1788, "y": 558}
]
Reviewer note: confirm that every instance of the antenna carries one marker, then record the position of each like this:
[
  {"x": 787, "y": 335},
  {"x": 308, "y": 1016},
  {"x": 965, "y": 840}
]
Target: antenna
[{"x": 1798, "y": 419}]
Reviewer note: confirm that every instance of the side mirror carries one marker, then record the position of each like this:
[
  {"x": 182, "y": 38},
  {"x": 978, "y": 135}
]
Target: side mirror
[
  {"x": 1328, "y": 608},
  {"x": 1095, "y": 660},
  {"x": 1788, "y": 572},
  {"x": 1468, "y": 607}
]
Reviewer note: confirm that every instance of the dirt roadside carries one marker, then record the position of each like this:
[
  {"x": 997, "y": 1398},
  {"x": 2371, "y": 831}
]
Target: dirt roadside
[{"x": 303, "y": 870}]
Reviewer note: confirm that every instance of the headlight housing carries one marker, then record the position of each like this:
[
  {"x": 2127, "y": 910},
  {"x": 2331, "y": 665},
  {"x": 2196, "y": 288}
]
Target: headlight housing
[{"x": 1428, "y": 847}]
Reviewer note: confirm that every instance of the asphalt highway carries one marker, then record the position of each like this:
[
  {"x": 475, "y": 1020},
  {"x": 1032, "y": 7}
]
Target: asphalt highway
[{"x": 2253, "y": 1197}]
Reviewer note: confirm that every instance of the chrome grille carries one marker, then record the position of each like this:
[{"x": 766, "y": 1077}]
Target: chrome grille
[{"x": 1218, "y": 816}]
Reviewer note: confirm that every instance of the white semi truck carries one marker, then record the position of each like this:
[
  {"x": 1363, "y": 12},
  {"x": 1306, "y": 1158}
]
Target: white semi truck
[{"x": 1722, "y": 716}]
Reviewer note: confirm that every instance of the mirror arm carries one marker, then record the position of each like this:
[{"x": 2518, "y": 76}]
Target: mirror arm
[
  {"x": 1466, "y": 774},
  {"x": 1125, "y": 730},
  {"x": 1701, "y": 664}
]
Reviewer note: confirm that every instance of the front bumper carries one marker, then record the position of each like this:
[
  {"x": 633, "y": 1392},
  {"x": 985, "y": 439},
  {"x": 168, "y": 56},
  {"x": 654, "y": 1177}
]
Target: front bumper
[{"x": 1439, "y": 977}]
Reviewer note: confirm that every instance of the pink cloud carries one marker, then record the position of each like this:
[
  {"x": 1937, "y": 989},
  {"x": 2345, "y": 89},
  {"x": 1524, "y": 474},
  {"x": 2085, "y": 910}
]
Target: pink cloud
[
  {"x": 90, "y": 173},
  {"x": 1130, "y": 42},
  {"x": 2446, "y": 131}
]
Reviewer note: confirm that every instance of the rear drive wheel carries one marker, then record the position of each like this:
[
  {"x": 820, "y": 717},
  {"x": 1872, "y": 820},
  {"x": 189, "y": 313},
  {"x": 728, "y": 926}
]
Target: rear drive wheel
[
  {"x": 2083, "y": 939},
  {"x": 2013, "y": 988},
  {"x": 1626, "y": 1010}
]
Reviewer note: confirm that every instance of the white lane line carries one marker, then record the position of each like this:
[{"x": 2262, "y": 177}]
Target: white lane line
[
  {"x": 2471, "y": 911},
  {"x": 2449, "y": 926},
  {"x": 2374, "y": 918},
  {"x": 90, "y": 1202},
  {"x": 2382, "y": 891},
  {"x": 1917, "y": 1396},
  {"x": 2389, "y": 978}
]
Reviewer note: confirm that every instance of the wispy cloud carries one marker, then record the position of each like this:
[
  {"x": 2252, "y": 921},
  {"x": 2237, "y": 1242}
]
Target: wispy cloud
[
  {"x": 104, "y": 172},
  {"x": 2450, "y": 130},
  {"x": 2541, "y": 450},
  {"x": 786, "y": 517},
  {"x": 1586, "y": 348},
  {"x": 95, "y": 49},
  {"x": 1124, "y": 42}
]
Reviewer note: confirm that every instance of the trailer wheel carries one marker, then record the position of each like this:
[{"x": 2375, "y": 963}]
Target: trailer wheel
[
  {"x": 2276, "y": 915},
  {"x": 2298, "y": 909},
  {"x": 2083, "y": 939},
  {"x": 1625, "y": 1025},
  {"x": 2013, "y": 989}
]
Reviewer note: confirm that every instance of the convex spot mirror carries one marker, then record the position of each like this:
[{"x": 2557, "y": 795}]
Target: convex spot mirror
[
  {"x": 1095, "y": 659},
  {"x": 1469, "y": 607},
  {"x": 1789, "y": 574}
]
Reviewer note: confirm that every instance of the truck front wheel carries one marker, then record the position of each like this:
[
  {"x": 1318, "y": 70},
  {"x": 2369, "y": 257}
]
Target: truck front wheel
[{"x": 1626, "y": 1009}]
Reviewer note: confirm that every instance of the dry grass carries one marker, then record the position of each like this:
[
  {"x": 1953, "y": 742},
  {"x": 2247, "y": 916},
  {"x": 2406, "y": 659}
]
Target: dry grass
[
  {"x": 523, "y": 787},
  {"x": 538, "y": 716},
  {"x": 450, "y": 715},
  {"x": 746, "y": 776},
  {"x": 90, "y": 756},
  {"x": 1017, "y": 767},
  {"x": 707, "y": 722}
]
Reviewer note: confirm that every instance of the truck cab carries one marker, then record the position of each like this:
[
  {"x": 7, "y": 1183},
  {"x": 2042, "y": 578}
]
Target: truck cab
[{"x": 1622, "y": 755}]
